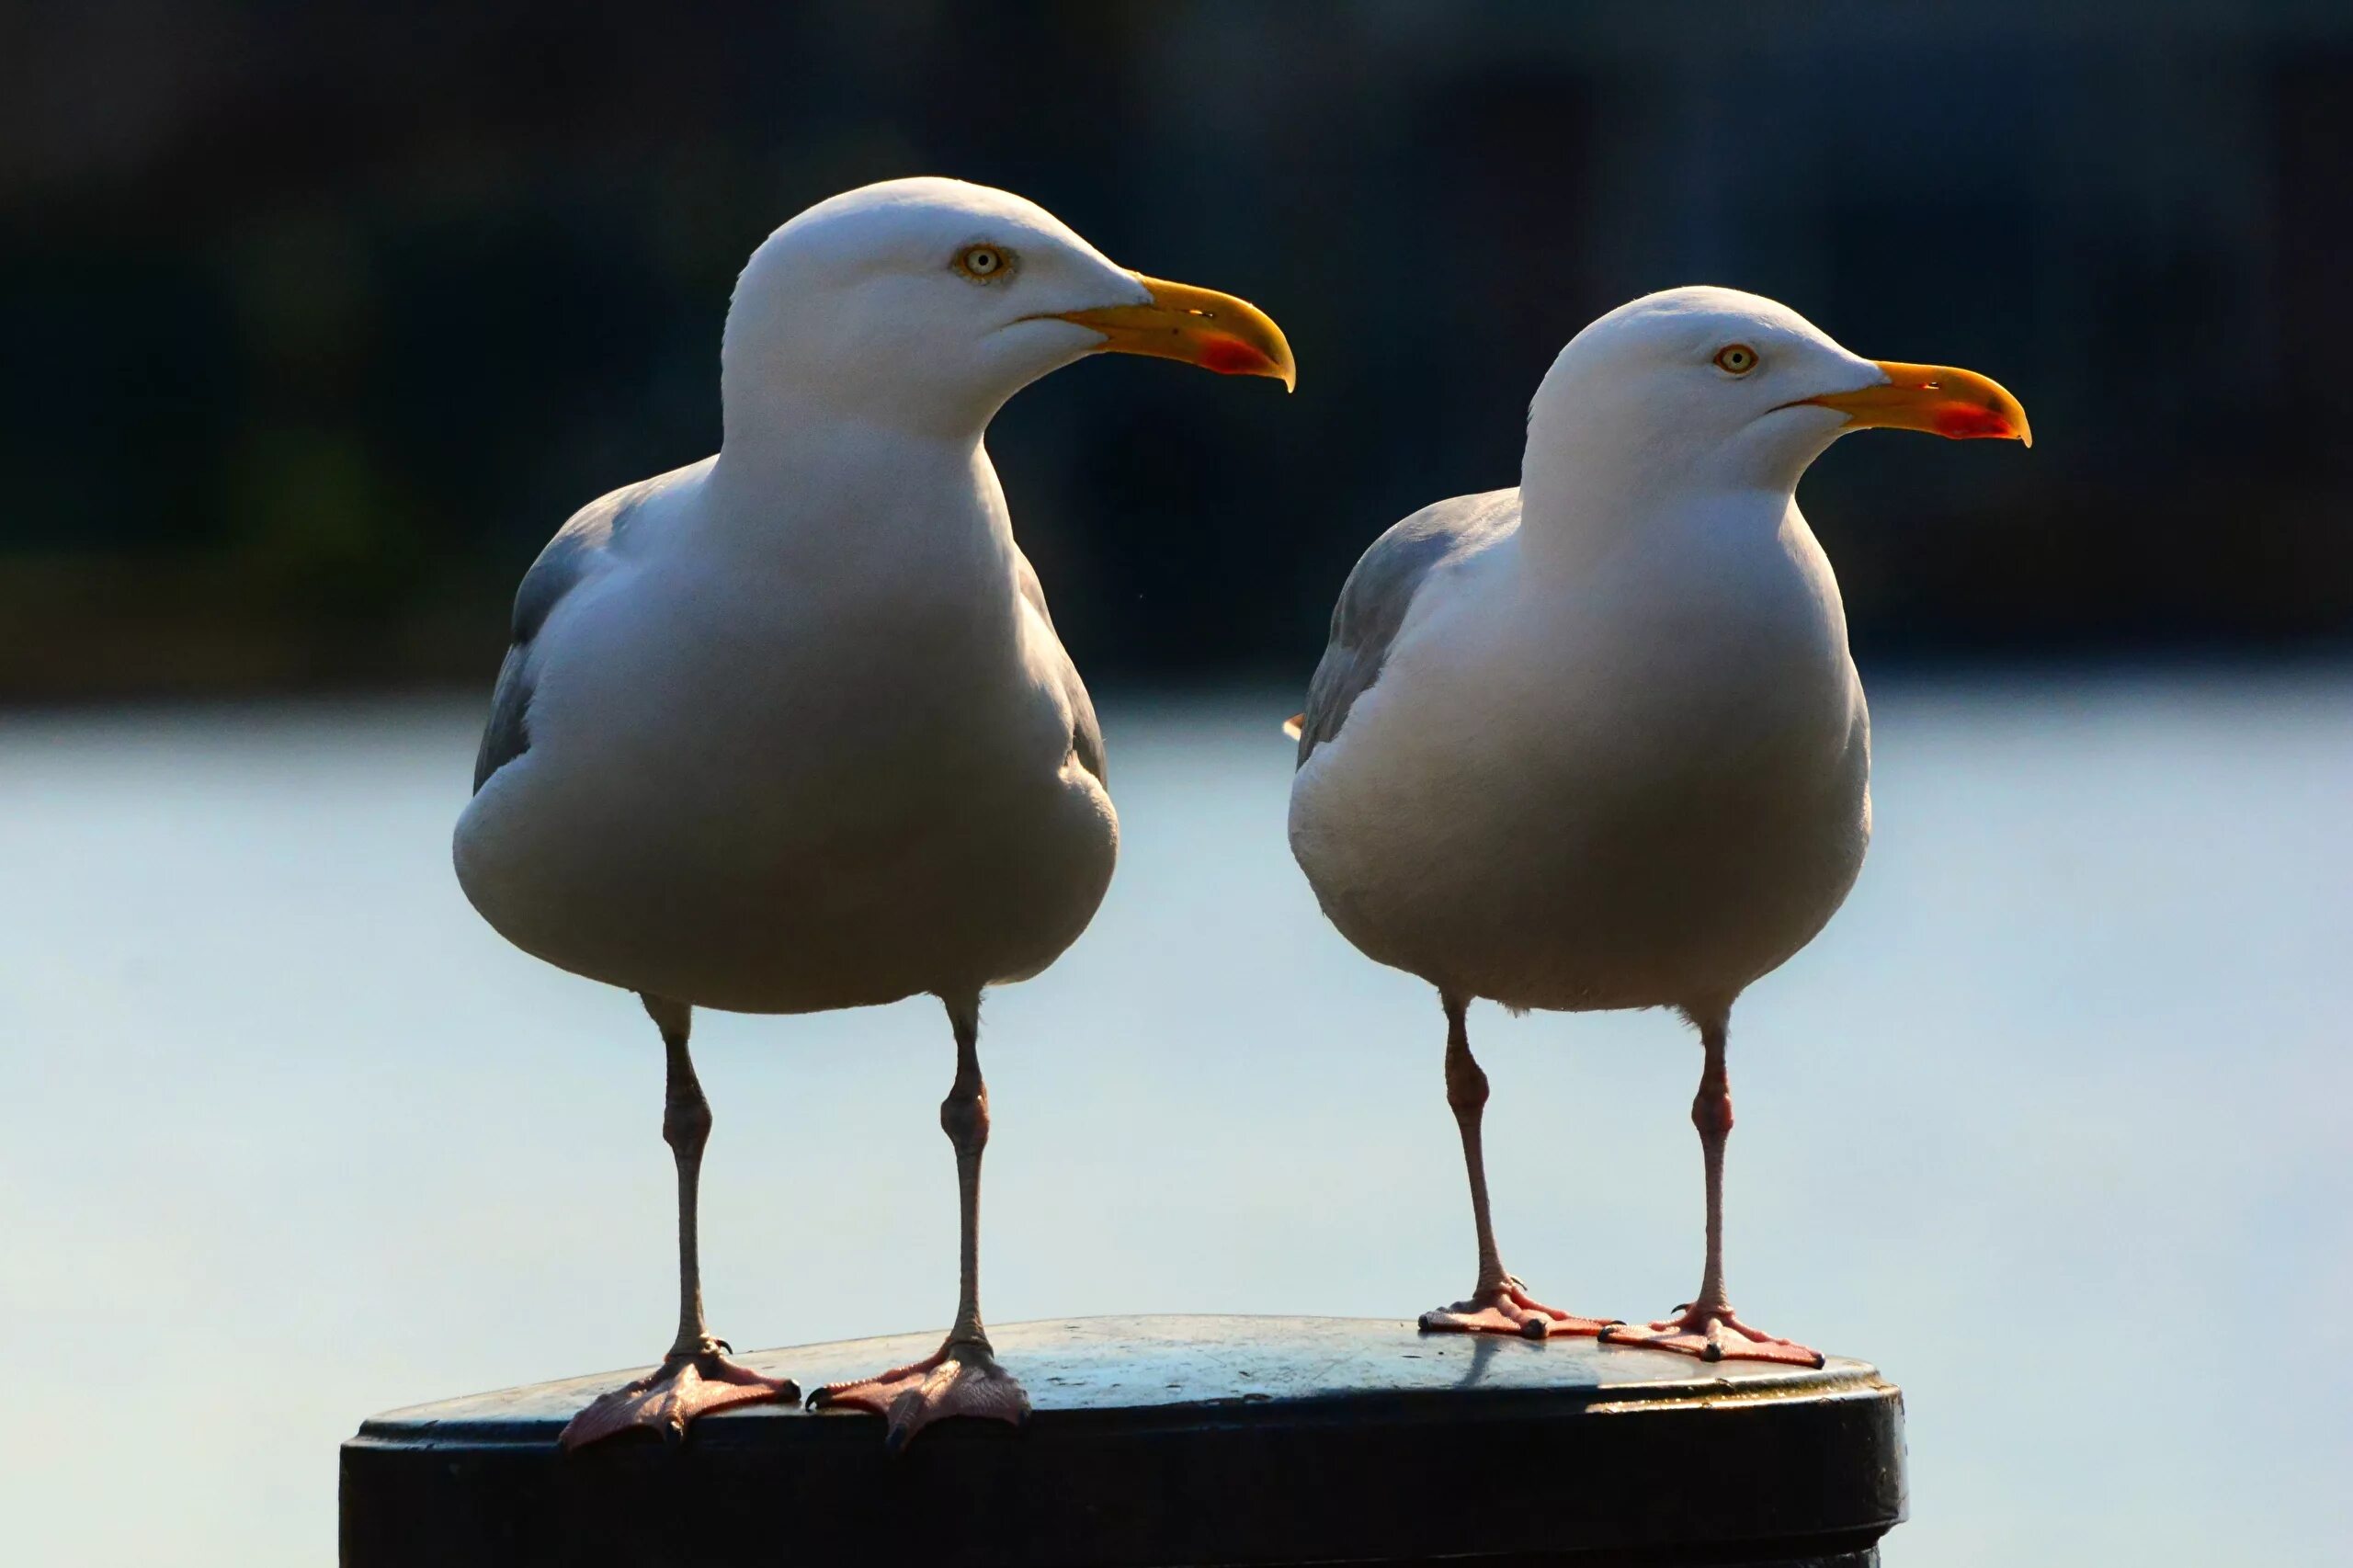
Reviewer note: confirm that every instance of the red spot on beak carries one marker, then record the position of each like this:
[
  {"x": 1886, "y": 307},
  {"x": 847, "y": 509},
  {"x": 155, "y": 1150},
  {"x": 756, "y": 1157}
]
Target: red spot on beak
[
  {"x": 1230, "y": 357},
  {"x": 1966, "y": 422}
]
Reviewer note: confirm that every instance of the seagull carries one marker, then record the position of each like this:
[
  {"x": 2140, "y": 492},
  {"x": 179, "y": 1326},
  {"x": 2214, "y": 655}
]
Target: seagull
[
  {"x": 1597, "y": 742},
  {"x": 789, "y": 728}
]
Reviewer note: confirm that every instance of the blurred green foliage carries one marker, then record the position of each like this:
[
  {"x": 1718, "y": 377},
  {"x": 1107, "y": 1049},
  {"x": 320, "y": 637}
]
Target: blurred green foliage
[{"x": 318, "y": 321}]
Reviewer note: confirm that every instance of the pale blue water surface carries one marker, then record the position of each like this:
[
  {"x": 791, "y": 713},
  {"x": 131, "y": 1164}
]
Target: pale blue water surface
[{"x": 2051, "y": 1123}]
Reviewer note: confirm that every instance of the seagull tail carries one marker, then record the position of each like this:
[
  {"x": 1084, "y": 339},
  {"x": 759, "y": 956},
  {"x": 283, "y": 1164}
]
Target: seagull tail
[{"x": 1292, "y": 725}]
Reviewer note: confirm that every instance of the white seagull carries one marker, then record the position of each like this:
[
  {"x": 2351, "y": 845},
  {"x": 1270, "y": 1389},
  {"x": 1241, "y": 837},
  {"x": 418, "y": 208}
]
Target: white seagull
[
  {"x": 788, "y": 729},
  {"x": 1596, "y": 742}
]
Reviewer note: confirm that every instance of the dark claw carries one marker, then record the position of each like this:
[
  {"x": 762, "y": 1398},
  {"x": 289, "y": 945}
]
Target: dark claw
[
  {"x": 1712, "y": 1353},
  {"x": 1534, "y": 1328}
]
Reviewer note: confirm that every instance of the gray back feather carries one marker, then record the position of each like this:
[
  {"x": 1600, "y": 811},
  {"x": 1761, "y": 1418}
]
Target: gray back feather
[
  {"x": 1379, "y": 591},
  {"x": 570, "y": 559}
]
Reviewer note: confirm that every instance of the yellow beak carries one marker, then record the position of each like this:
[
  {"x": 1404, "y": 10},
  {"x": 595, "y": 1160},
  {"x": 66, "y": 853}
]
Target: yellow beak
[
  {"x": 1961, "y": 404},
  {"x": 1199, "y": 326}
]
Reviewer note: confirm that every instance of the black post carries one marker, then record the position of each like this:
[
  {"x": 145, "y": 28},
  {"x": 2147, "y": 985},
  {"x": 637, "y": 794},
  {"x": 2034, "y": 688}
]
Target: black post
[{"x": 1191, "y": 1440}]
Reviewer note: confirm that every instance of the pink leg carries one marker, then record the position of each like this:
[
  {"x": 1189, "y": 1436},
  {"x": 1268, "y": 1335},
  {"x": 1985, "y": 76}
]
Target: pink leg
[
  {"x": 962, "y": 1377},
  {"x": 697, "y": 1376},
  {"x": 1498, "y": 1304},
  {"x": 1706, "y": 1326}
]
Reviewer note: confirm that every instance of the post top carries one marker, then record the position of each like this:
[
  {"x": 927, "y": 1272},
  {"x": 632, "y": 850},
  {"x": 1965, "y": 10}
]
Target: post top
[
  {"x": 1161, "y": 1439},
  {"x": 1168, "y": 1363}
]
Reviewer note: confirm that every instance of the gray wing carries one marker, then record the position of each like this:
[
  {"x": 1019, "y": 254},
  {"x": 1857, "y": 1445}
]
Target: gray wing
[
  {"x": 570, "y": 559},
  {"x": 1086, "y": 735},
  {"x": 1379, "y": 591}
]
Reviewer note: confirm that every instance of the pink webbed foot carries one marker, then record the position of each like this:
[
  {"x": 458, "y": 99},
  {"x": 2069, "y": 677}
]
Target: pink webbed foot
[
  {"x": 962, "y": 1377},
  {"x": 1509, "y": 1308},
  {"x": 1712, "y": 1334},
  {"x": 673, "y": 1394}
]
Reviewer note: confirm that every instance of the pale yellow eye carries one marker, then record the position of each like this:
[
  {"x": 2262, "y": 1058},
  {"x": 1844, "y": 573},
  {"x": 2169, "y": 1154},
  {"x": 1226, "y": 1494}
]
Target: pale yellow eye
[
  {"x": 983, "y": 264},
  {"x": 1738, "y": 358}
]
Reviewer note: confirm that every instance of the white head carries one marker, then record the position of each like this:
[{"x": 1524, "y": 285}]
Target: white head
[
  {"x": 923, "y": 304},
  {"x": 1705, "y": 389}
]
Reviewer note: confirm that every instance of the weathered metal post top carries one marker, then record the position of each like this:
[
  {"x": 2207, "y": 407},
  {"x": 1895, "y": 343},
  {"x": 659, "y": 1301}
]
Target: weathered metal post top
[{"x": 1175, "y": 1440}]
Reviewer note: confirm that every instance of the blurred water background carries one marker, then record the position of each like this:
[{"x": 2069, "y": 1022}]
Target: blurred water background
[{"x": 2050, "y": 1123}]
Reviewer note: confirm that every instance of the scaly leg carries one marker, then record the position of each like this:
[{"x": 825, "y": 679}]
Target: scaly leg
[
  {"x": 1706, "y": 1326},
  {"x": 962, "y": 1377},
  {"x": 1498, "y": 1304},
  {"x": 697, "y": 1375}
]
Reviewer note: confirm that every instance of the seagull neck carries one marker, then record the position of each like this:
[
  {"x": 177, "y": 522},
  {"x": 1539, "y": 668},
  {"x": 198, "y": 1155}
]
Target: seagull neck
[
  {"x": 762, "y": 407},
  {"x": 796, "y": 427},
  {"x": 848, "y": 488},
  {"x": 800, "y": 453},
  {"x": 1576, "y": 507}
]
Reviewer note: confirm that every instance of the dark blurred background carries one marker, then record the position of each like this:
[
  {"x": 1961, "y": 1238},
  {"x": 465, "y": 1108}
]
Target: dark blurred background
[{"x": 319, "y": 319}]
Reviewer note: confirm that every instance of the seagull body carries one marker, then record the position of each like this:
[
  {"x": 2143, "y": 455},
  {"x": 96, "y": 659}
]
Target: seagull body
[
  {"x": 1667, "y": 749},
  {"x": 1597, "y": 742},
  {"x": 789, "y": 728},
  {"x": 796, "y": 747}
]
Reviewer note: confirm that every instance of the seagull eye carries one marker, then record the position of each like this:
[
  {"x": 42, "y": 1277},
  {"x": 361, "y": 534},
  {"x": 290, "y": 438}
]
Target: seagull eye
[
  {"x": 1738, "y": 358},
  {"x": 983, "y": 264}
]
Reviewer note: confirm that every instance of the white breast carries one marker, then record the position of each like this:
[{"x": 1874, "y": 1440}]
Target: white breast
[
  {"x": 1641, "y": 784},
  {"x": 790, "y": 761}
]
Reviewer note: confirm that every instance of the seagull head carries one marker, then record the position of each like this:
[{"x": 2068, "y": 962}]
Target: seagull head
[
  {"x": 926, "y": 304},
  {"x": 1714, "y": 389}
]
